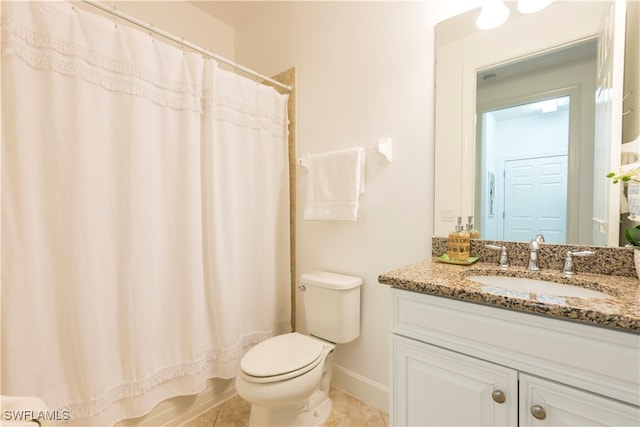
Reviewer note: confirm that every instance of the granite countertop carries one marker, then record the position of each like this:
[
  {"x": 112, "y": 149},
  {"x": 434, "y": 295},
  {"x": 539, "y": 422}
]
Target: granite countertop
[{"x": 621, "y": 311}]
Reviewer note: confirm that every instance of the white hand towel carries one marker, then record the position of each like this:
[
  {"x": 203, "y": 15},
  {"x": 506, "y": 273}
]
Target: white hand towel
[{"x": 334, "y": 184}]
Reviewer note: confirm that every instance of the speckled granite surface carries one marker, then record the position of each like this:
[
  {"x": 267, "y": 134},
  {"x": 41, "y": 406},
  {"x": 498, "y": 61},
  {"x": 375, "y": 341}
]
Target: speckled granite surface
[
  {"x": 607, "y": 260},
  {"x": 620, "y": 311}
]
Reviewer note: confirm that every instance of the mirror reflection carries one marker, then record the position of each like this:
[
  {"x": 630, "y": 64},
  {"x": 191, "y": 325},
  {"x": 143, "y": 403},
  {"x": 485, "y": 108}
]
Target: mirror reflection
[
  {"x": 524, "y": 134},
  {"x": 526, "y": 124}
]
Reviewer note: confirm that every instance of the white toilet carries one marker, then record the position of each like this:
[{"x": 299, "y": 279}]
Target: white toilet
[{"x": 286, "y": 378}]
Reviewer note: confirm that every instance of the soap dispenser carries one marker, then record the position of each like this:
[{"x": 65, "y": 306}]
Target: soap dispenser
[
  {"x": 474, "y": 234},
  {"x": 459, "y": 243}
]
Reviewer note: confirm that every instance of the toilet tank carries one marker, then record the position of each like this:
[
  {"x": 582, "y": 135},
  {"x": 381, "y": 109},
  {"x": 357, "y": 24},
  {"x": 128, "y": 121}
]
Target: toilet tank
[{"x": 332, "y": 306}]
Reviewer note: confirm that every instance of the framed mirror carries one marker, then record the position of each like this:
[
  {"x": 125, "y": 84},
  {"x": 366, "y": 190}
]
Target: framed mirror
[{"x": 497, "y": 83}]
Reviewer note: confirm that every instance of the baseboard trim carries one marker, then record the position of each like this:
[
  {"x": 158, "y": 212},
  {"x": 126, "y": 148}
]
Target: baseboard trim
[{"x": 361, "y": 387}]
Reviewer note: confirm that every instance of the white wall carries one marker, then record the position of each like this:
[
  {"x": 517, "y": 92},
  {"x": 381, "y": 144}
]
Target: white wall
[
  {"x": 365, "y": 70},
  {"x": 538, "y": 134},
  {"x": 181, "y": 19}
]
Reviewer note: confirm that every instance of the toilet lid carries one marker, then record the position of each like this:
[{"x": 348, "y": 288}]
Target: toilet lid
[{"x": 281, "y": 354}]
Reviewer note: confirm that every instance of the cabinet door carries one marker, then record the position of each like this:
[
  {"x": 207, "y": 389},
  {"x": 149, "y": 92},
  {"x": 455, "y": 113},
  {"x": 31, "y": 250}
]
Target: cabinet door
[
  {"x": 545, "y": 403},
  {"x": 432, "y": 386}
]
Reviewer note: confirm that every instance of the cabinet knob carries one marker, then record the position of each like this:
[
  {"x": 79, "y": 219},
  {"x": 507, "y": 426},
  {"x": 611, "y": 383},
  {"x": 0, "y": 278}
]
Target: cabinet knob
[
  {"x": 498, "y": 396},
  {"x": 538, "y": 412}
]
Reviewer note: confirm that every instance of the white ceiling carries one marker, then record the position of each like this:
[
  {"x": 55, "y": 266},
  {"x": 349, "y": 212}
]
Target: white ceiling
[{"x": 231, "y": 13}]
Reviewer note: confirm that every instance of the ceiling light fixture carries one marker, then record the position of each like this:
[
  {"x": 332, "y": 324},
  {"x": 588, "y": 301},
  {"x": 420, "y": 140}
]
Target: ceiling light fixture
[
  {"x": 493, "y": 14},
  {"x": 532, "y": 6}
]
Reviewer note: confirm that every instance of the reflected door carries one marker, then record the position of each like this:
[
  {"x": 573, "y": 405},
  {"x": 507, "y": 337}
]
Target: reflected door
[
  {"x": 525, "y": 151},
  {"x": 535, "y": 198}
]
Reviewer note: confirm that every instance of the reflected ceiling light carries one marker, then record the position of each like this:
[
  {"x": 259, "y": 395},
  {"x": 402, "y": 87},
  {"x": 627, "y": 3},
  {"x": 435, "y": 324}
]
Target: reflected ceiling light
[
  {"x": 493, "y": 14},
  {"x": 548, "y": 106},
  {"x": 531, "y": 6}
]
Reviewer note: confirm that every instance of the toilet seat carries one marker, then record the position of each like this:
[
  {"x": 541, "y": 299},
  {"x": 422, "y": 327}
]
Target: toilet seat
[{"x": 282, "y": 357}]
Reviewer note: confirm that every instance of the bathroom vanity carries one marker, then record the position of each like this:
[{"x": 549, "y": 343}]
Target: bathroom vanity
[{"x": 464, "y": 353}]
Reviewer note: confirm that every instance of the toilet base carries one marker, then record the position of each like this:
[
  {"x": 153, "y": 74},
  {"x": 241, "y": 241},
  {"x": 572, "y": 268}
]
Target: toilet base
[{"x": 315, "y": 412}]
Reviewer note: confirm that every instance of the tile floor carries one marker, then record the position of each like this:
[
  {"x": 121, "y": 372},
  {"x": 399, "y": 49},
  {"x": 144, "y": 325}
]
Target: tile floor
[{"x": 347, "y": 412}]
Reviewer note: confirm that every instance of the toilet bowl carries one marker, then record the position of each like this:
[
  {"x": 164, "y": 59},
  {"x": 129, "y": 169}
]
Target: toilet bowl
[
  {"x": 282, "y": 377},
  {"x": 286, "y": 378}
]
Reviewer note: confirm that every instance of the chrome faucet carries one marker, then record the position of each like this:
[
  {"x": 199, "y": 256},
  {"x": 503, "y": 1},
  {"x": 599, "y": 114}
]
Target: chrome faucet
[
  {"x": 569, "y": 269},
  {"x": 504, "y": 260},
  {"x": 534, "y": 247}
]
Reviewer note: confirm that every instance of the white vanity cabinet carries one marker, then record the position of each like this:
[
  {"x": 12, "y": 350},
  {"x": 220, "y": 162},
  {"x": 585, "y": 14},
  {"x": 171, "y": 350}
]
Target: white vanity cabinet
[
  {"x": 546, "y": 403},
  {"x": 438, "y": 387},
  {"x": 459, "y": 363}
]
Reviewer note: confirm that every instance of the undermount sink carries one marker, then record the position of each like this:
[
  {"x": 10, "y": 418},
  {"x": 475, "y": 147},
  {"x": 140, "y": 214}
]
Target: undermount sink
[{"x": 544, "y": 287}]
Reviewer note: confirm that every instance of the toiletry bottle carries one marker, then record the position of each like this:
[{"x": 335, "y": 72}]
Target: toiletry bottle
[
  {"x": 474, "y": 234},
  {"x": 459, "y": 243}
]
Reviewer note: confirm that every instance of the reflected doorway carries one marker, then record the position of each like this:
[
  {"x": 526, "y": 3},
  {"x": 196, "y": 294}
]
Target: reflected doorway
[{"x": 524, "y": 170}]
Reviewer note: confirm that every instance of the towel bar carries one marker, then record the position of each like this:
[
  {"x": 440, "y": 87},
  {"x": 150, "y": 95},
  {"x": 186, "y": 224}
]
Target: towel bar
[{"x": 384, "y": 147}]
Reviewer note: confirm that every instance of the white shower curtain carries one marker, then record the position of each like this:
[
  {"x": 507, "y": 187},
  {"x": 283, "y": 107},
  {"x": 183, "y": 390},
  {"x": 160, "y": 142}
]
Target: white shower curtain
[{"x": 144, "y": 215}]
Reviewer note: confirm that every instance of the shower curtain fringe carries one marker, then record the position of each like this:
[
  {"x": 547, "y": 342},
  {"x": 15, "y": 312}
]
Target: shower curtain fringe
[{"x": 182, "y": 42}]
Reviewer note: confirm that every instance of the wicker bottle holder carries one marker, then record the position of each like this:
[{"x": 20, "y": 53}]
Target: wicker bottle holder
[{"x": 459, "y": 246}]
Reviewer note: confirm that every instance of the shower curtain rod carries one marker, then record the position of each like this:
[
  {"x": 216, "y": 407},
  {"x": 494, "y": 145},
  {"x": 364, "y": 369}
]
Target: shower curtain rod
[{"x": 182, "y": 42}]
